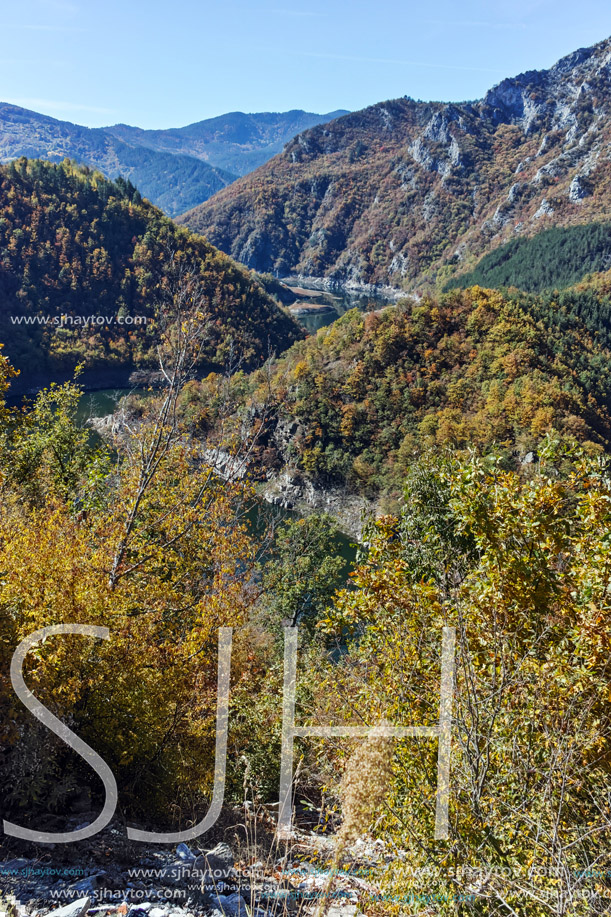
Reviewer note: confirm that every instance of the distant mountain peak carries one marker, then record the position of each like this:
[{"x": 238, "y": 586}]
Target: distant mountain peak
[
  {"x": 403, "y": 190},
  {"x": 177, "y": 168}
]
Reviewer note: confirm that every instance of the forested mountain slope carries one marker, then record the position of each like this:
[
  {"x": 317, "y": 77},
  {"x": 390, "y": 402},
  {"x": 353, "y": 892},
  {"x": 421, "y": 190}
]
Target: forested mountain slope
[
  {"x": 555, "y": 258},
  {"x": 173, "y": 182},
  {"x": 406, "y": 192},
  {"x": 76, "y": 245},
  {"x": 237, "y": 142},
  {"x": 175, "y": 169},
  {"x": 357, "y": 403}
]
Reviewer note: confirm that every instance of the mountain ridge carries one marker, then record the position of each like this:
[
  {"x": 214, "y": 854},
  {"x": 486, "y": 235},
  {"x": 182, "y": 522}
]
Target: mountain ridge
[
  {"x": 175, "y": 176},
  {"x": 87, "y": 268},
  {"x": 251, "y": 138},
  {"x": 408, "y": 193}
]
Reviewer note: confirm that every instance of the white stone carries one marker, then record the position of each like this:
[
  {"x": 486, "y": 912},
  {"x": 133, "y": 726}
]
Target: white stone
[{"x": 74, "y": 909}]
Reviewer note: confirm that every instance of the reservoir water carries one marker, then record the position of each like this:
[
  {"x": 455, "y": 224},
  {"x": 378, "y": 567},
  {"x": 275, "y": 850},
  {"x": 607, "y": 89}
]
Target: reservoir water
[{"x": 326, "y": 307}]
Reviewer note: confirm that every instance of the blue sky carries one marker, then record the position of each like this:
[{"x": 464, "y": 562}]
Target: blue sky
[{"x": 165, "y": 64}]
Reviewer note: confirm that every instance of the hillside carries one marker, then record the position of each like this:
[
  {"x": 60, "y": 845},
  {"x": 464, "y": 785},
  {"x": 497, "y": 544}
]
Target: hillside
[
  {"x": 408, "y": 193},
  {"x": 236, "y": 142},
  {"x": 553, "y": 259},
  {"x": 175, "y": 169},
  {"x": 475, "y": 369},
  {"x": 74, "y": 244},
  {"x": 172, "y": 182}
]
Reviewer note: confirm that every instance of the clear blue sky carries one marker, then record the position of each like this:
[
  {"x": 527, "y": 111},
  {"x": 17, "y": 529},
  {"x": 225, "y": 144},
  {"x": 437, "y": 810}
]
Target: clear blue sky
[{"x": 156, "y": 63}]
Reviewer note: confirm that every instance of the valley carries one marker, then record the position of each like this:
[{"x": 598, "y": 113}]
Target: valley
[
  {"x": 305, "y": 502},
  {"x": 412, "y": 194},
  {"x": 175, "y": 169}
]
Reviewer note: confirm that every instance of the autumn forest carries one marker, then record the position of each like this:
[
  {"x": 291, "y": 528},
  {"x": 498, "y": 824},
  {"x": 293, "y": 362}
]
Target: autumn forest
[{"x": 417, "y": 496}]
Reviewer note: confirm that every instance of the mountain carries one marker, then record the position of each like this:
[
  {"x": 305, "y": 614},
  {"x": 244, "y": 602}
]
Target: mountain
[
  {"x": 171, "y": 181},
  {"x": 410, "y": 193},
  {"x": 236, "y": 142},
  {"x": 175, "y": 169},
  {"x": 350, "y": 408},
  {"x": 555, "y": 258},
  {"x": 76, "y": 246}
]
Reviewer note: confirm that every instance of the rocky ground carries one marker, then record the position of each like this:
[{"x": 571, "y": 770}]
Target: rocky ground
[
  {"x": 287, "y": 488},
  {"x": 110, "y": 876},
  {"x": 292, "y": 490}
]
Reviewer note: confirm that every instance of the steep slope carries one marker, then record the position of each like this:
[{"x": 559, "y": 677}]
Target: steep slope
[
  {"x": 357, "y": 402},
  {"x": 74, "y": 245},
  {"x": 552, "y": 259},
  {"x": 172, "y": 182},
  {"x": 237, "y": 142},
  {"x": 407, "y": 192},
  {"x": 175, "y": 169}
]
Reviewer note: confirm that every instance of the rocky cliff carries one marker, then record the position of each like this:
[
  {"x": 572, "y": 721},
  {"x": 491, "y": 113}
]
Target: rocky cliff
[{"x": 407, "y": 192}]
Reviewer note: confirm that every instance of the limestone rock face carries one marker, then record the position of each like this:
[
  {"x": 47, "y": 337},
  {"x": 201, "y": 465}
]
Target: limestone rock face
[
  {"x": 387, "y": 194},
  {"x": 74, "y": 909}
]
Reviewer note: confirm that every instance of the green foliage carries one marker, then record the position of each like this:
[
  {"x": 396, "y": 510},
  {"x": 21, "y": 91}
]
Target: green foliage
[
  {"x": 553, "y": 259},
  {"x": 303, "y": 572},
  {"x": 48, "y": 454},
  {"x": 433, "y": 543},
  {"x": 531, "y": 726},
  {"x": 74, "y": 244},
  {"x": 472, "y": 369}
]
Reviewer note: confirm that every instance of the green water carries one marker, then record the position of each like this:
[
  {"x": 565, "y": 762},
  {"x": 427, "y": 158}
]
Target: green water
[
  {"x": 340, "y": 303},
  {"x": 99, "y": 404}
]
